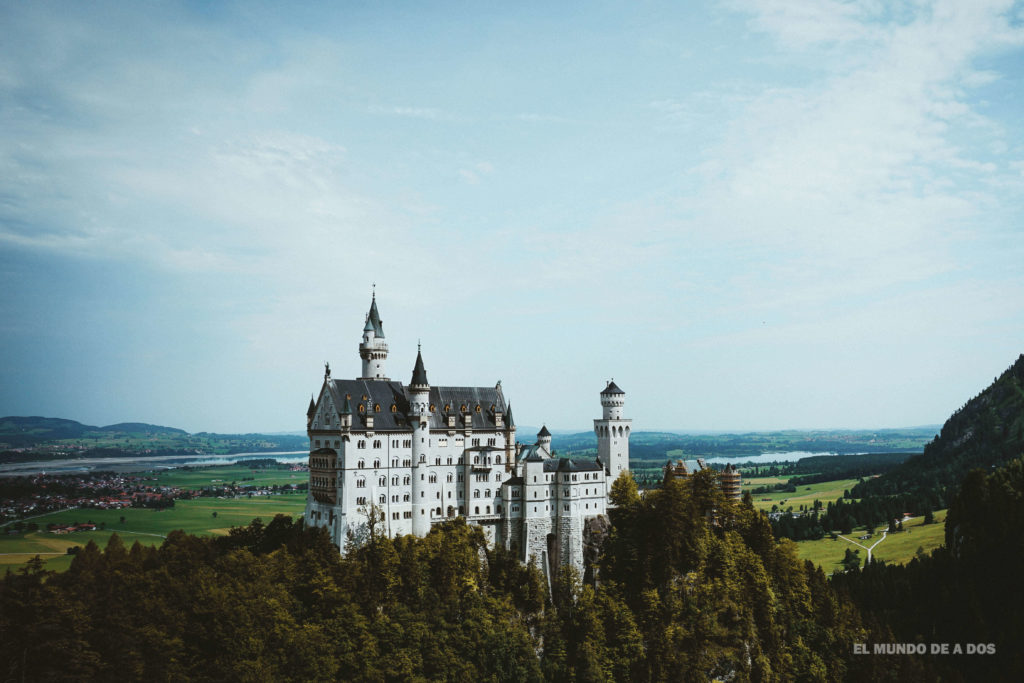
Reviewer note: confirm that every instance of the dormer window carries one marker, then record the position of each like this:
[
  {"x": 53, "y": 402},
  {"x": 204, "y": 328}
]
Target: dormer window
[
  {"x": 432, "y": 407},
  {"x": 394, "y": 408},
  {"x": 376, "y": 407},
  {"x": 362, "y": 409},
  {"x": 447, "y": 407},
  {"x": 462, "y": 407},
  {"x": 478, "y": 407}
]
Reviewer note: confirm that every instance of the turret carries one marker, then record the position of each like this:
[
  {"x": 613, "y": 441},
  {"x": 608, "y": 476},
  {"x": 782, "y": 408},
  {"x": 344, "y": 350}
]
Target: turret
[
  {"x": 419, "y": 418},
  {"x": 612, "y": 400},
  {"x": 373, "y": 350},
  {"x": 544, "y": 438}
]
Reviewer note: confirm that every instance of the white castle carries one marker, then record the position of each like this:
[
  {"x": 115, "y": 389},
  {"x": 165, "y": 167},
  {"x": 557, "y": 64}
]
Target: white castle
[{"x": 423, "y": 454}]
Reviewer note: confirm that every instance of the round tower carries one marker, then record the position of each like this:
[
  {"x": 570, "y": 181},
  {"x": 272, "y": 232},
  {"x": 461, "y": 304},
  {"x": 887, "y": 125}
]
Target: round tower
[
  {"x": 419, "y": 418},
  {"x": 373, "y": 350},
  {"x": 613, "y": 432},
  {"x": 544, "y": 438}
]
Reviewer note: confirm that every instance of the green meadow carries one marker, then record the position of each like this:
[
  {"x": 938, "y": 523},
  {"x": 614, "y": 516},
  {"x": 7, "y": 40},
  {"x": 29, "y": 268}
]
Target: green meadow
[
  {"x": 898, "y": 548},
  {"x": 202, "y": 477},
  {"x": 826, "y": 491},
  {"x": 202, "y": 516}
]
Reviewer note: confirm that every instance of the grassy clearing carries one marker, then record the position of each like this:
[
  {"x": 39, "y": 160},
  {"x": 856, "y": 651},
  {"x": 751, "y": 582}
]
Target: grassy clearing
[
  {"x": 753, "y": 482},
  {"x": 149, "y": 527},
  {"x": 201, "y": 477},
  {"x": 898, "y": 548},
  {"x": 826, "y": 492}
]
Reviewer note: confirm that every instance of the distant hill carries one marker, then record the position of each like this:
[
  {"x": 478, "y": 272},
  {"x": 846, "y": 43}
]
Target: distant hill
[
  {"x": 28, "y": 438},
  {"x": 739, "y": 445},
  {"x": 987, "y": 432}
]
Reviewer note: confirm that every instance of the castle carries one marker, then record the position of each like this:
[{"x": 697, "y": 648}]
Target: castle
[{"x": 415, "y": 455}]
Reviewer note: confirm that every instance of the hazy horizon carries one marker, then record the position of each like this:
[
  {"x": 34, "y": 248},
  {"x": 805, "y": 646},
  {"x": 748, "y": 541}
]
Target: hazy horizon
[{"x": 751, "y": 214}]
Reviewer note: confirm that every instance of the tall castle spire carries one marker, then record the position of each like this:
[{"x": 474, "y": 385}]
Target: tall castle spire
[{"x": 373, "y": 349}]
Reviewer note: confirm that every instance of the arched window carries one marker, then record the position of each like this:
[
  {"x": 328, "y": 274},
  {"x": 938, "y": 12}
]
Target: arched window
[
  {"x": 462, "y": 407},
  {"x": 487, "y": 493},
  {"x": 361, "y": 464},
  {"x": 488, "y": 509},
  {"x": 383, "y": 499},
  {"x": 476, "y": 493},
  {"x": 383, "y": 481},
  {"x": 432, "y": 407},
  {"x": 477, "y": 407},
  {"x": 360, "y": 483},
  {"x": 476, "y": 510},
  {"x": 447, "y": 407},
  {"x": 376, "y": 463},
  {"x": 433, "y": 478},
  {"x": 362, "y": 409},
  {"x": 394, "y": 408},
  {"x": 497, "y": 460}
]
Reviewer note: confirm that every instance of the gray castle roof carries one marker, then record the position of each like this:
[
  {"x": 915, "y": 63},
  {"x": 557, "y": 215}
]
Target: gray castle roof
[
  {"x": 419, "y": 373},
  {"x": 350, "y": 392},
  {"x": 571, "y": 465},
  {"x": 612, "y": 388},
  {"x": 373, "y": 321},
  {"x": 544, "y": 431}
]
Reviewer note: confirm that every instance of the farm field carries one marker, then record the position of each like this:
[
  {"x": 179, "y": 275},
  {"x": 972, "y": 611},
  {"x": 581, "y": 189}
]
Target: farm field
[
  {"x": 898, "y": 548},
  {"x": 144, "y": 525},
  {"x": 201, "y": 477},
  {"x": 826, "y": 492}
]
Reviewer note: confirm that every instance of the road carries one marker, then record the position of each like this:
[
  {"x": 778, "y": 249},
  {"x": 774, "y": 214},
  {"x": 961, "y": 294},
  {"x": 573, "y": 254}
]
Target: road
[{"x": 864, "y": 546}]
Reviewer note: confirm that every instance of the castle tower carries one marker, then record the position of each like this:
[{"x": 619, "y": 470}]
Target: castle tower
[
  {"x": 544, "y": 439},
  {"x": 419, "y": 418},
  {"x": 613, "y": 432},
  {"x": 373, "y": 349}
]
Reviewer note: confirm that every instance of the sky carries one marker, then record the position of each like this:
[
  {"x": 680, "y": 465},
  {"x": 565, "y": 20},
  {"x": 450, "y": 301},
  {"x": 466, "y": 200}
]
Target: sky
[{"x": 752, "y": 215}]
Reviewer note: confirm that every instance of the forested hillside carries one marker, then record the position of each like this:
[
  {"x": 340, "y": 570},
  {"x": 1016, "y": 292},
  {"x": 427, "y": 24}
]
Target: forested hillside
[
  {"x": 987, "y": 432},
  {"x": 691, "y": 587}
]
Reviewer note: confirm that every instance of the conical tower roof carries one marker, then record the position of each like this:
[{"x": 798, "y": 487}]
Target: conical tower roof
[
  {"x": 373, "y": 319},
  {"x": 544, "y": 431},
  {"x": 508, "y": 417},
  {"x": 312, "y": 407},
  {"x": 419, "y": 373}
]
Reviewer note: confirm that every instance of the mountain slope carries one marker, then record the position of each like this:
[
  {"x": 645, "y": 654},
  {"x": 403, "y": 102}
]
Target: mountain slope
[{"x": 987, "y": 432}]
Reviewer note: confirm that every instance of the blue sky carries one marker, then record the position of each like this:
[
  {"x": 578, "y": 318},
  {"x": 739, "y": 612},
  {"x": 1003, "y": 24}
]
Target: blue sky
[{"x": 753, "y": 215}]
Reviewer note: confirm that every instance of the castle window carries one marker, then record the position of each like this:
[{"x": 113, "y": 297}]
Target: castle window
[
  {"x": 449, "y": 478},
  {"x": 442, "y": 442},
  {"x": 476, "y": 510},
  {"x": 449, "y": 461},
  {"x": 566, "y": 507},
  {"x": 337, "y": 444},
  {"x": 360, "y": 483},
  {"x": 488, "y": 507},
  {"x": 478, "y": 407},
  {"x": 361, "y": 464},
  {"x": 394, "y": 408},
  {"x": 362, "y": 409},
  {"x": 405, "y": 480},
  {"x": 383, "y": 481},
  {"x": 462, "y": 509},
  {"x": 476, "y": 442},
  {"x": 487, "y": 493},
  {"x": 405, "y": 498},
  {"x": 476, "y": 493},
  {"x": 361, "y": 501},
  {"x": 462, "y": 407},
  {"x": 394, "y": 462},
  {"x": 317, "y": 442},
  {"x": 433, "y": 478},
  {"x": 365, "y": 397},
  {"x": 515, "y": 508},
  {"x": 432, "y": 407},
  {"x": 447, "y": 407},
  {"x": 497, "y": 460},
  {"x": 376, "y": 407},
  {"x": 491, "y": 442},
  {"x": 407, "y": 514},
  {"x": 492, "y": 407},
  {"x": 383, "y": 499},
  {"x": 437, "y": 461},
  {"x": 376, "y": 463},
  {"x": 460, "y": 476}
]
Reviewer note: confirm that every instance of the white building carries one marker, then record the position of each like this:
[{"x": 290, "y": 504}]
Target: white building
[{"x": 423, "y": 454}]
